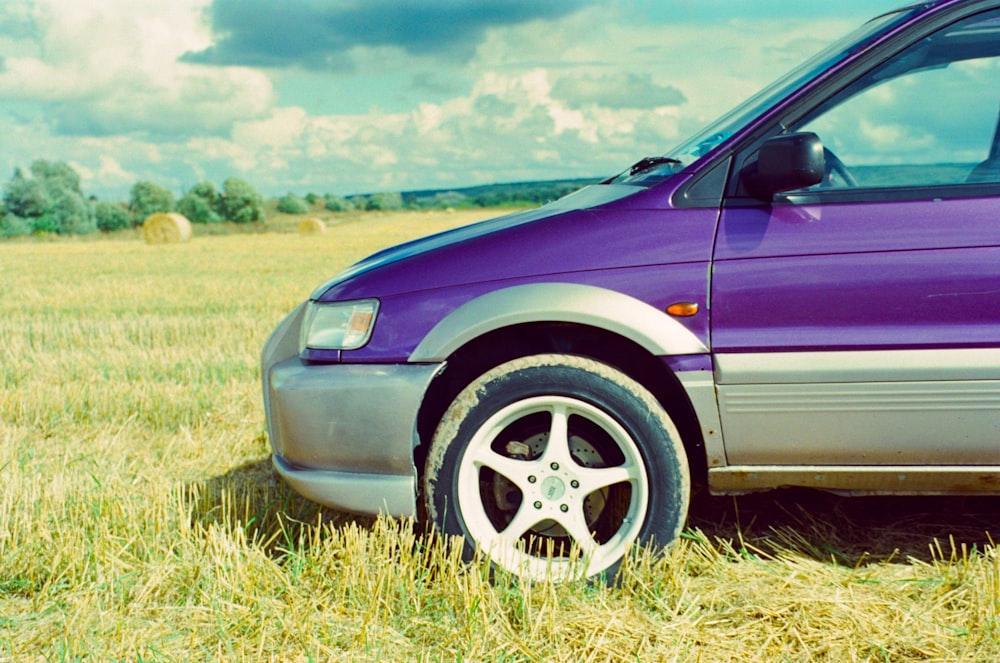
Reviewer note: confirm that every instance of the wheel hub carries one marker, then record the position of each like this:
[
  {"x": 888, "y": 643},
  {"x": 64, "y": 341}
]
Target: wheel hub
[{"x": 553, "y": 488}]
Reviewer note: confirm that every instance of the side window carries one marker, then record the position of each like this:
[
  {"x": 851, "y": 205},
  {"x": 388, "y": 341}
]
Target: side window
[{"x": 927, "y": 117}]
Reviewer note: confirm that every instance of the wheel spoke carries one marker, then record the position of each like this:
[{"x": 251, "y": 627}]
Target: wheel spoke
[
  {"x": 557, "y": 447},
  {"x": 515, "y": 471},
  {"x": 575, "y": 524},
  {"x": 523, "y": 520},
  {"x": 593, "y": 479}
]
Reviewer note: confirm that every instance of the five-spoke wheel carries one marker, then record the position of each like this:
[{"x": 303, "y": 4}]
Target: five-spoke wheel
[{"x": 554, "y": 465}]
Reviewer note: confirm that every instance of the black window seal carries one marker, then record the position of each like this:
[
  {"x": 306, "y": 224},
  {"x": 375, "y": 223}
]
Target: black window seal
[{"x": 872, "y": 195}]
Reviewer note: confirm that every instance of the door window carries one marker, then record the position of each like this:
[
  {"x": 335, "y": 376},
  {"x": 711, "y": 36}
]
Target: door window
[{"x": 927, "y": 117}]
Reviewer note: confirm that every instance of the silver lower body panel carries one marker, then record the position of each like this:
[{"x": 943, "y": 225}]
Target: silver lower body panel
[
  {"x": 859, "y": 480},
  {"x": 343, "y": 434},
  {"x": 353, "y": 492}
]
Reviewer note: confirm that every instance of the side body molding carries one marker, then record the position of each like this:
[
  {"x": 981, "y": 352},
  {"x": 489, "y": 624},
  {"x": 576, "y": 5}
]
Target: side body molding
[{"x": 558, "y": 302}]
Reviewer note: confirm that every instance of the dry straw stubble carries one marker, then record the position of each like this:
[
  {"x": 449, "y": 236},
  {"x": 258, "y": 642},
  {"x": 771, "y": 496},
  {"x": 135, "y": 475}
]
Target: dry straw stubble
[{"x": 140, "y": 517}]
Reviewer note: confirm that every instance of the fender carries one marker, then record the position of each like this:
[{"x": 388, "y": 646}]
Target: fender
[{"x": 588, "y": 305}]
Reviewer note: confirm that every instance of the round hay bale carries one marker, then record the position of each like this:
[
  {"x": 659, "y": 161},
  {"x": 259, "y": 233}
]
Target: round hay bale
[
  {"x": 166, "y": 228},
  {"x": 312, "y": 226}
]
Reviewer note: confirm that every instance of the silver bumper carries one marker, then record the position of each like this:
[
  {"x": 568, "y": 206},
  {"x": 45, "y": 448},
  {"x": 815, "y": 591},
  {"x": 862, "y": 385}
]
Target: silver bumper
[{"x": 343, "y": 434}]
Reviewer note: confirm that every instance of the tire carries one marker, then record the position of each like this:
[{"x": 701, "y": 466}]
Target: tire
[{"x": 618, "y": 475}]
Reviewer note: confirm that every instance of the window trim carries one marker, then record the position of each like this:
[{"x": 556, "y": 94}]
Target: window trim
[{"x": 890, "y": 194}]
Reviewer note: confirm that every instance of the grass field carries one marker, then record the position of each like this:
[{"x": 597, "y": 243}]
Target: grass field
[{"x": 140, "y": 519}]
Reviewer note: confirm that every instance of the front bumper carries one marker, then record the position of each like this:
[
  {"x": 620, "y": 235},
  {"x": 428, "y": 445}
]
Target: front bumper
[{"x": 343, "y": 434}]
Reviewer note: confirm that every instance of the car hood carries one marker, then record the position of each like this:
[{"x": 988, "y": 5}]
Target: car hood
[{"x": 585, "y": 198}]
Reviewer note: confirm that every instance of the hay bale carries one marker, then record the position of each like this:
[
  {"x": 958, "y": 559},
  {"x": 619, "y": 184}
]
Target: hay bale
[
  {"x": 312, "y": 226},
  {"x": 166, "y": 228}
]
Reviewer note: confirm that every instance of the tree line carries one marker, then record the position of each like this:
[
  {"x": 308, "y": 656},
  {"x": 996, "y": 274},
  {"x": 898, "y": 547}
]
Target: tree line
[
  {"x": 527, "y": 194},
  {"x": 48, "y": 199}
]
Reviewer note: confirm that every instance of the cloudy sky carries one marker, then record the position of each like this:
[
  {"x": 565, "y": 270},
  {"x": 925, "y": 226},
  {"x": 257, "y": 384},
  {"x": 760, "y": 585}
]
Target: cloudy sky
[{"x": 356, "y": 96}]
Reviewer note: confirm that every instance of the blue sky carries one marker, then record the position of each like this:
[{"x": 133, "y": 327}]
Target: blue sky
[{"x": 354, "y": 96}]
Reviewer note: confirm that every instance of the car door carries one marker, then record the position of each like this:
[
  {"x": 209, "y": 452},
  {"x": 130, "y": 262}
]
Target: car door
[{"x": 857, "y": 322}]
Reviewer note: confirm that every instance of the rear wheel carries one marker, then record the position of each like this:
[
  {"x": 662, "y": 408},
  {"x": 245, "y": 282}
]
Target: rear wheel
[{"x": 554, "y": 465}]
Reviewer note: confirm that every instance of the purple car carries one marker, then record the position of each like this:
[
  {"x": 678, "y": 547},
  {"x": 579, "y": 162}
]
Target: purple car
[{"x": 806, "y": 293}]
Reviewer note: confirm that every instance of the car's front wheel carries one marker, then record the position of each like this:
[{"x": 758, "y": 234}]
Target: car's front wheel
[{"x": 554, "y": 465}]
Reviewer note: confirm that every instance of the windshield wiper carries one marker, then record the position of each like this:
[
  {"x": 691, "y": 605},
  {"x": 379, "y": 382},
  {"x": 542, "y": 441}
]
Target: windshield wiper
[{"x": 647, "y": 163}]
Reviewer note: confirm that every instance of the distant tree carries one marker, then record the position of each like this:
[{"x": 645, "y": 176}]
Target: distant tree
[
  {"x": 111, "y": 216},
  {"x": 311, "y": 198},
  {"x": 25, "y": 196},
  {"x": 292, "y": 204},
  {"x": 241, "y": 203},
  {"x": 338, "y": 203},
  {"x": 56, "y": 174},
  {"x": 148, "y": 198},
  {"x": 12, "y": 225},
  {"x": 205, "y": 190},
  {"x": 198, "y": 210},
  {"x": 50, "y": 201},
  {"x": 388, "y": 200},
  {"x": 493, "y": 199},
  {"x": 445, "y": 200},
  {"x": 201, "y": 204},
  {"x": 71, "y": 213}
]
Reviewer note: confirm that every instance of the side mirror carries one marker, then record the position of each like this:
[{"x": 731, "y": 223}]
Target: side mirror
[{"x": 784, "y": 163}]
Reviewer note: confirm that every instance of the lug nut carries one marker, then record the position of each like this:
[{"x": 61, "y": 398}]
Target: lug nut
[
  {"x": 554, "y": 466},
  {"x": 538, "y": 505},
  {"x": 574, "y": 483},
  {"x": 531, "y": 478},
  {"x": 563, "y": 508}
]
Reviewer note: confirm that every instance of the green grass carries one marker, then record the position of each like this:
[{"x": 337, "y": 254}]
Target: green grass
[{"x": 140, "y": 519}]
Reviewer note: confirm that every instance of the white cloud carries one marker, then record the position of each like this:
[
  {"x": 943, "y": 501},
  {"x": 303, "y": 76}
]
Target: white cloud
[
  {"x": 108, "y": 174},
  {"x": 221, "y": 150},
  {"x": 111, "y": 170},
  {"x": 508, "y": 122},
  {"x": 281, "y": 129},
  {"x": 109, "y": 75},
  {"x": 107, "y": 66}
]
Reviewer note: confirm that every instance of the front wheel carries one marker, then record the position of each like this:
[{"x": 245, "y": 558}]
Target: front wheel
[{"x": 554, "y": 465}]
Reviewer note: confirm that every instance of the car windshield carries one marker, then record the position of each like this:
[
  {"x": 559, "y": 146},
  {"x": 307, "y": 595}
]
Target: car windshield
[{"x": 652, "y": 169}]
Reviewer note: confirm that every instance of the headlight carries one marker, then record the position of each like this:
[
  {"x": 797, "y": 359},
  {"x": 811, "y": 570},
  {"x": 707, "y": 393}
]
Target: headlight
[{"x": 338, "y": 325}]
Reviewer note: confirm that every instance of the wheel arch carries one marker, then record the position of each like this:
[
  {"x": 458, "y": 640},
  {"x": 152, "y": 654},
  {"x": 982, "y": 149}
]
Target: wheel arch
[
  {"x": 569, "y": 303},
  {"x": 481, "y": 353}
]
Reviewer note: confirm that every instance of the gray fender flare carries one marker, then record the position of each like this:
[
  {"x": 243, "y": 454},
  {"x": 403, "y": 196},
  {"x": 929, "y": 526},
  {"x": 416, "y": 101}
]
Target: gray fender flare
[{"x": 587, "y": 305}]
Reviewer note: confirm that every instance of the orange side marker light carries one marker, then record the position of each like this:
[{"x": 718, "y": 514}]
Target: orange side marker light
[{"x": 683, "y": 309}]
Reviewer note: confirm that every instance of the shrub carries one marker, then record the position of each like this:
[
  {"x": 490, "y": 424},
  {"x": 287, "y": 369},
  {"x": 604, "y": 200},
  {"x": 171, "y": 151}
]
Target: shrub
[
  {"x": 292, "y": 204},
  {"x": 241, "y": 203},
  {"x": 12, "y": 225},
  {"x": 388, "y": 200},
  {"x": 201, "y": 204},
  {"x": 444, "y": 200},
  {"x": 111, "y": 216},
  {"x": 311, "y": 198},
  {"x": 198, "y": 210},
  {"x": 148, "y": 198},
  {"x": 338, "y": 204},
  {"x": 46, "y": 223}
]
